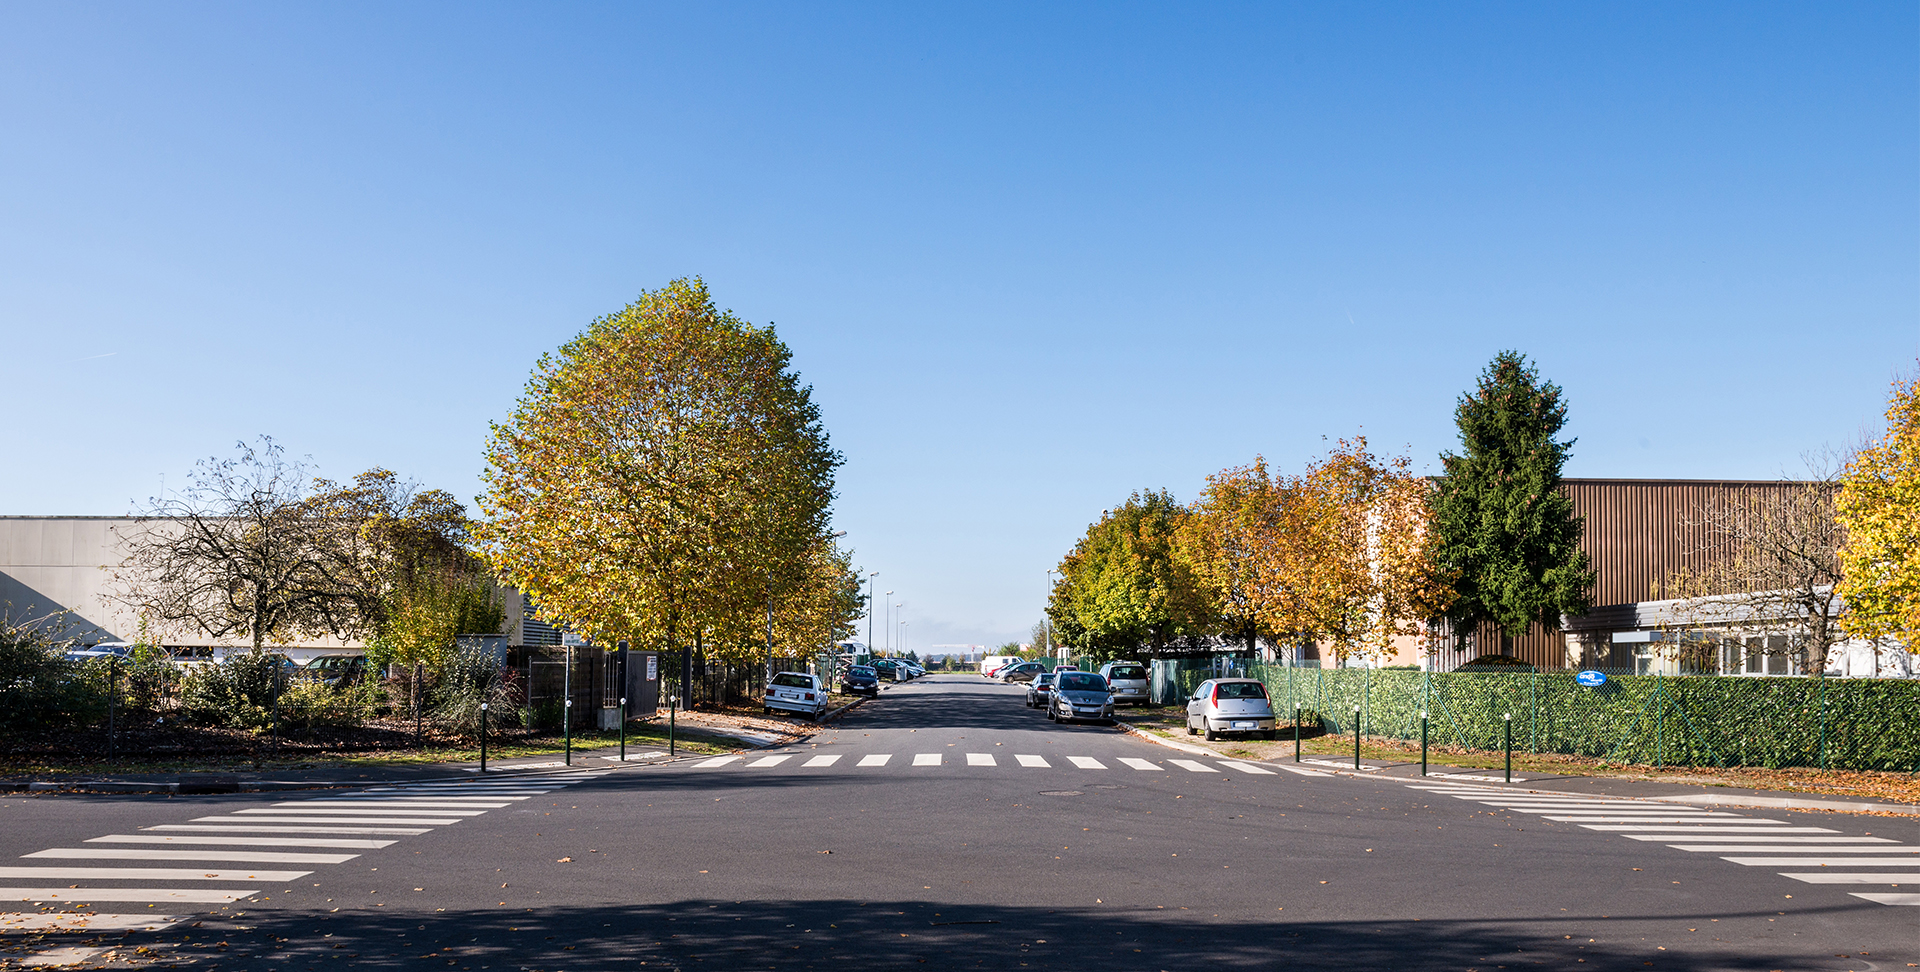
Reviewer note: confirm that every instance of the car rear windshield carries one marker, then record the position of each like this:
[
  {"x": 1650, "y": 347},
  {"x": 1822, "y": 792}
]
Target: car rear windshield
[
  {"x": 1241, "y": 690},
  {"x": 1080, "y": 682},
  {"x": 1127, "y": 671},
  {"x": 860, "y": 670},
  {"x": 1044, "y": 680},
  {"x": 790, "y": 680}
]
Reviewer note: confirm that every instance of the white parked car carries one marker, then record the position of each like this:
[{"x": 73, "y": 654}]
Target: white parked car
[
  {"x": 1224, "y": 705},
  {"x": 797, "y": 692}
]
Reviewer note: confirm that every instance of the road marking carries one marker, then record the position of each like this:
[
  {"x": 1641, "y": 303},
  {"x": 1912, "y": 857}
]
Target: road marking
[
  {"x": 94, "y": 895},
  {"x": 1303, "y": 772},
  {"x": 1086, "y": 762},
  {"x": 1822, "y": 861},
  {"x": 236, "y": 829},
  {"x": 281, "y": 809},
  {"x": 1141, "y": 764},
  {"x": 1192, "y": 766},
  {"x": 1039, "y": 761},
  {"x": 770, "y": 760},
  {"x": 145, "y": 874},
  {"x": 1706, "y": 842},
  {"x": 1475, "y": 777},
  {"x": 434, "y": 807},
  {"x": 926, "y": 759},
  {"x": 1341, "y": 764},
  {"x": 877, "y": 759},
  {"x": 1636, "y": 819},
  {"x": 716, "y": 761},
  {"x": 241, "y": 841},
  {"x": 1775, "y": 828},
  {"x": 1888, "y": 898},
  {"x": 1824, "y": 877},
  {"x": 149, "y": 854},
  {"x": 823, "y": 760},
  {"x": 68, "y": 955},
  {"x": 427, "y": 821},
  {"x": 1776, "y": 849},
  {"x": 78, "y": 921},
  {"x": 980, "y": 759},
  {"x": 484, "y": 803},
  {"x": 1234, "y": 764}
]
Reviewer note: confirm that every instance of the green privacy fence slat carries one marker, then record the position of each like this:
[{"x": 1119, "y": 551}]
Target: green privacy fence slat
[{"x": 1706, "y": 720}]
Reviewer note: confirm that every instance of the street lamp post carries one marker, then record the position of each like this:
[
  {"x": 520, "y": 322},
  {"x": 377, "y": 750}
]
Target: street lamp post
[{"x": 870, "y": 576}]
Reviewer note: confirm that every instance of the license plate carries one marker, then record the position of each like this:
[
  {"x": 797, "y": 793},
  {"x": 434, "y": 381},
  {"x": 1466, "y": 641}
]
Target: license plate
[{"x": 1245, "y": 725}]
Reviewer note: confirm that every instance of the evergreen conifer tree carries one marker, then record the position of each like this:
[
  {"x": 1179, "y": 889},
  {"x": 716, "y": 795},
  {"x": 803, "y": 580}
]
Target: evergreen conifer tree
[{"x": 1502, "y": 529}]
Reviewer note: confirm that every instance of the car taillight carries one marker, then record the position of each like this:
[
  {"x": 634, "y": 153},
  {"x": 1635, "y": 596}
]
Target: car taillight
[
  {"x": 809, "y": 696},
  {"x": 1216, "y": 695}
]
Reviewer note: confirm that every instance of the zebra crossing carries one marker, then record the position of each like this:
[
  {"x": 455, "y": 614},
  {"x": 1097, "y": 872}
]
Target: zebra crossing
[
  {"x": 1834, "y": 858},
  {"x": 1020, "y": 761},
  {"x": 292, "y": 837}
]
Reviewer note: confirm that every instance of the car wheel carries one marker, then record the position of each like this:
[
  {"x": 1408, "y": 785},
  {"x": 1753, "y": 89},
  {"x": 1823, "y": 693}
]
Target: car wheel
[{"x": 1211, "y": 735}]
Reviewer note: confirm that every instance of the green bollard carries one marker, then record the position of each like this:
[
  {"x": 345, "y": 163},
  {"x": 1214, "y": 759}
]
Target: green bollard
[
  {"x": 1423, "y": 744},
  {"x": 623, "y": 730},
  {"x": 1356, "y": 737},
  {"x": 1296, "y": 734},
  {"x": 566, "y": 715},
  {"x": 673, "y": 707},
  {"x": 483, "y": 737},
  {"x": 1509, "y": 732}
]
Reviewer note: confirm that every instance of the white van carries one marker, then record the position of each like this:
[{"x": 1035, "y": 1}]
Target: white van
[{"x": 992, "y": 662}]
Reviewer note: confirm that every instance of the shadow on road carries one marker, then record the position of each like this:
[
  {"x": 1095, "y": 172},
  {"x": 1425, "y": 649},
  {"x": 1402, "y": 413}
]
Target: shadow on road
[
  {"x": 860, "y": 935},
  {"x": 954, "y": 702}
]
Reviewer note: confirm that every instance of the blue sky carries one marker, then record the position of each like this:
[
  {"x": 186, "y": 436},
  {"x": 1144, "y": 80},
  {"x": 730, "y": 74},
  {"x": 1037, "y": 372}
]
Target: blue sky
[{"x": 1030, "y": 257}]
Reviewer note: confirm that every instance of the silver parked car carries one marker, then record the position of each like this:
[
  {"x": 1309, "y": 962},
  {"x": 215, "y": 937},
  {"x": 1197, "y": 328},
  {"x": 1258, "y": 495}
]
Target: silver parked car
[
  {"x": 1237, "y": 705},
  {"x": 1128, "y": 680},
  {"x": 1079, "y": 695},
  {"x": 1037, "y": 691}
]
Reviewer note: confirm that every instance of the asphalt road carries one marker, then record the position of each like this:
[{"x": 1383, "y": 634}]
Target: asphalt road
[{"x": 954, "y": 854}]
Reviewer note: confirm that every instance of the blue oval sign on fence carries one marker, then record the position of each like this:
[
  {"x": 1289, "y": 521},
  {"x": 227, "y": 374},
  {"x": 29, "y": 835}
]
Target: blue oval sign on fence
[{"x": 1591, "y": 679}]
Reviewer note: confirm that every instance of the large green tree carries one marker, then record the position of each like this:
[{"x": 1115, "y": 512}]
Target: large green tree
[
  {"x": 1123, "y": 591},
  {"x": 1502, "y": 529},
  {"x": 664, "y": 478}
]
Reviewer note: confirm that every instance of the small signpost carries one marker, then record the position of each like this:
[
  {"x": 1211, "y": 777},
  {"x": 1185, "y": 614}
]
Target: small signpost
[{"x": 1591, "y": 679}]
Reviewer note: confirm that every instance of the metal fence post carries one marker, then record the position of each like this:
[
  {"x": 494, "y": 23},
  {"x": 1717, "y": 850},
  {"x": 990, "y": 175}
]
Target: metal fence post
[
  {"x": 1659, "y": 722},
  {"x": 483, "y": 737},
  {"x": 673, "y": 708},
  {"x": 1823, "y": 719},
  {"x": 113, "y": 693}
]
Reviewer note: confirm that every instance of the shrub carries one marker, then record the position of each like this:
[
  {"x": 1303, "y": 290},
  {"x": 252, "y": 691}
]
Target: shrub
[
  {"x": 38, "y": 686},
  {"x": 237, "y": 693}
]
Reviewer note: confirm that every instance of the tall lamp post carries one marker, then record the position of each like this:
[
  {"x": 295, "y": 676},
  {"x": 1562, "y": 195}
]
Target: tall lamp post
[{"x": 870, "y": 576}]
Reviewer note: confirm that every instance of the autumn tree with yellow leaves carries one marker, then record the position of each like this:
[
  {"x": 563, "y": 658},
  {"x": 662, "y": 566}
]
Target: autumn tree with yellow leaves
[
  {"x": 1879, "y": 506},
  {"x": 664, "y": 479}
]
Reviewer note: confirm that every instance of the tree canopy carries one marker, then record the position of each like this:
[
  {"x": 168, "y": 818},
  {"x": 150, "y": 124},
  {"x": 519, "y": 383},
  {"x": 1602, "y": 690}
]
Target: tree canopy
[
  {"x": 1502, "y": 529},
  {"x": 1879, "y": 507},
  {"x": 665, "y": 474}
]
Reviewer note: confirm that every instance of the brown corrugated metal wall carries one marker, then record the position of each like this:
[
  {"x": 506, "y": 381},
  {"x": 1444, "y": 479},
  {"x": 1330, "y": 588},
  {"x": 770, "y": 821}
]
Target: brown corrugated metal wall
[{"x": 1638, "y": 535}]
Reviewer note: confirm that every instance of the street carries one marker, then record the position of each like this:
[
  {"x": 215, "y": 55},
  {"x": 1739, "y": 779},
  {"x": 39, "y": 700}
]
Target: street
[{"x": 946, "y": 825}]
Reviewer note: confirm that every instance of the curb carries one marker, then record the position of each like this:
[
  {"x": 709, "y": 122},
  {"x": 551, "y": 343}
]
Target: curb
[
  {"x": 1171, "y": 744},
  {"x": 835, "y": 714}
]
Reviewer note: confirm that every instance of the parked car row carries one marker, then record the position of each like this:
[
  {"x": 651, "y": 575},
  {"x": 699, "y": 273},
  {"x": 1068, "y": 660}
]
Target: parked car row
[{"x": 897, "y": 669}]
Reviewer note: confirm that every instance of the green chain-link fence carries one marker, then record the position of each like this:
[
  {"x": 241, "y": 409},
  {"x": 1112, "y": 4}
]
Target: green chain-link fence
[{"x": 1659, "y": 720}]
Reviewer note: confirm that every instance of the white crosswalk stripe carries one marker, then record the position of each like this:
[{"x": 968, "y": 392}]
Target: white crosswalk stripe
[
  {"x": 876, "y": 759},
  {"x": 1193, "y": 766},
  {"x": 771, "y": 760},
  {"x": 980, "y": 759},
  {"x": 224, "y": 847},
  {"x": 1757, "y": 841},
  {"x": 926, "y": 759},
  {"x": 827, "y": 760},
  {"x": 1086, "y": 762},
  {"x": 1141, "y": 764},
  {"x": 1034, "y": 761},
  {"x": 1249, "y": 768}
]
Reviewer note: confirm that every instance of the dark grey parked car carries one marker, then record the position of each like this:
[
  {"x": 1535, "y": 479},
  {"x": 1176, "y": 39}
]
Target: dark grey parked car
[{"x": 1079, "y": 695}]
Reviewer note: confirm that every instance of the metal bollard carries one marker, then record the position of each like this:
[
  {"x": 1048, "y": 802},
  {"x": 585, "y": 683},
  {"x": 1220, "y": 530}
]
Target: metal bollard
[
  {"x": 1508, "y": 722},
  {"x": 623, "y": 729},
  {"x": 1356, "y": 737},
  {"x": 673, "y": 707},
  {"x": 1423, "y": 744},
  {"x": 566, "y": 716},
  {"x": 1296, "y": 734},
  {"x": 483, "y": 737}
]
